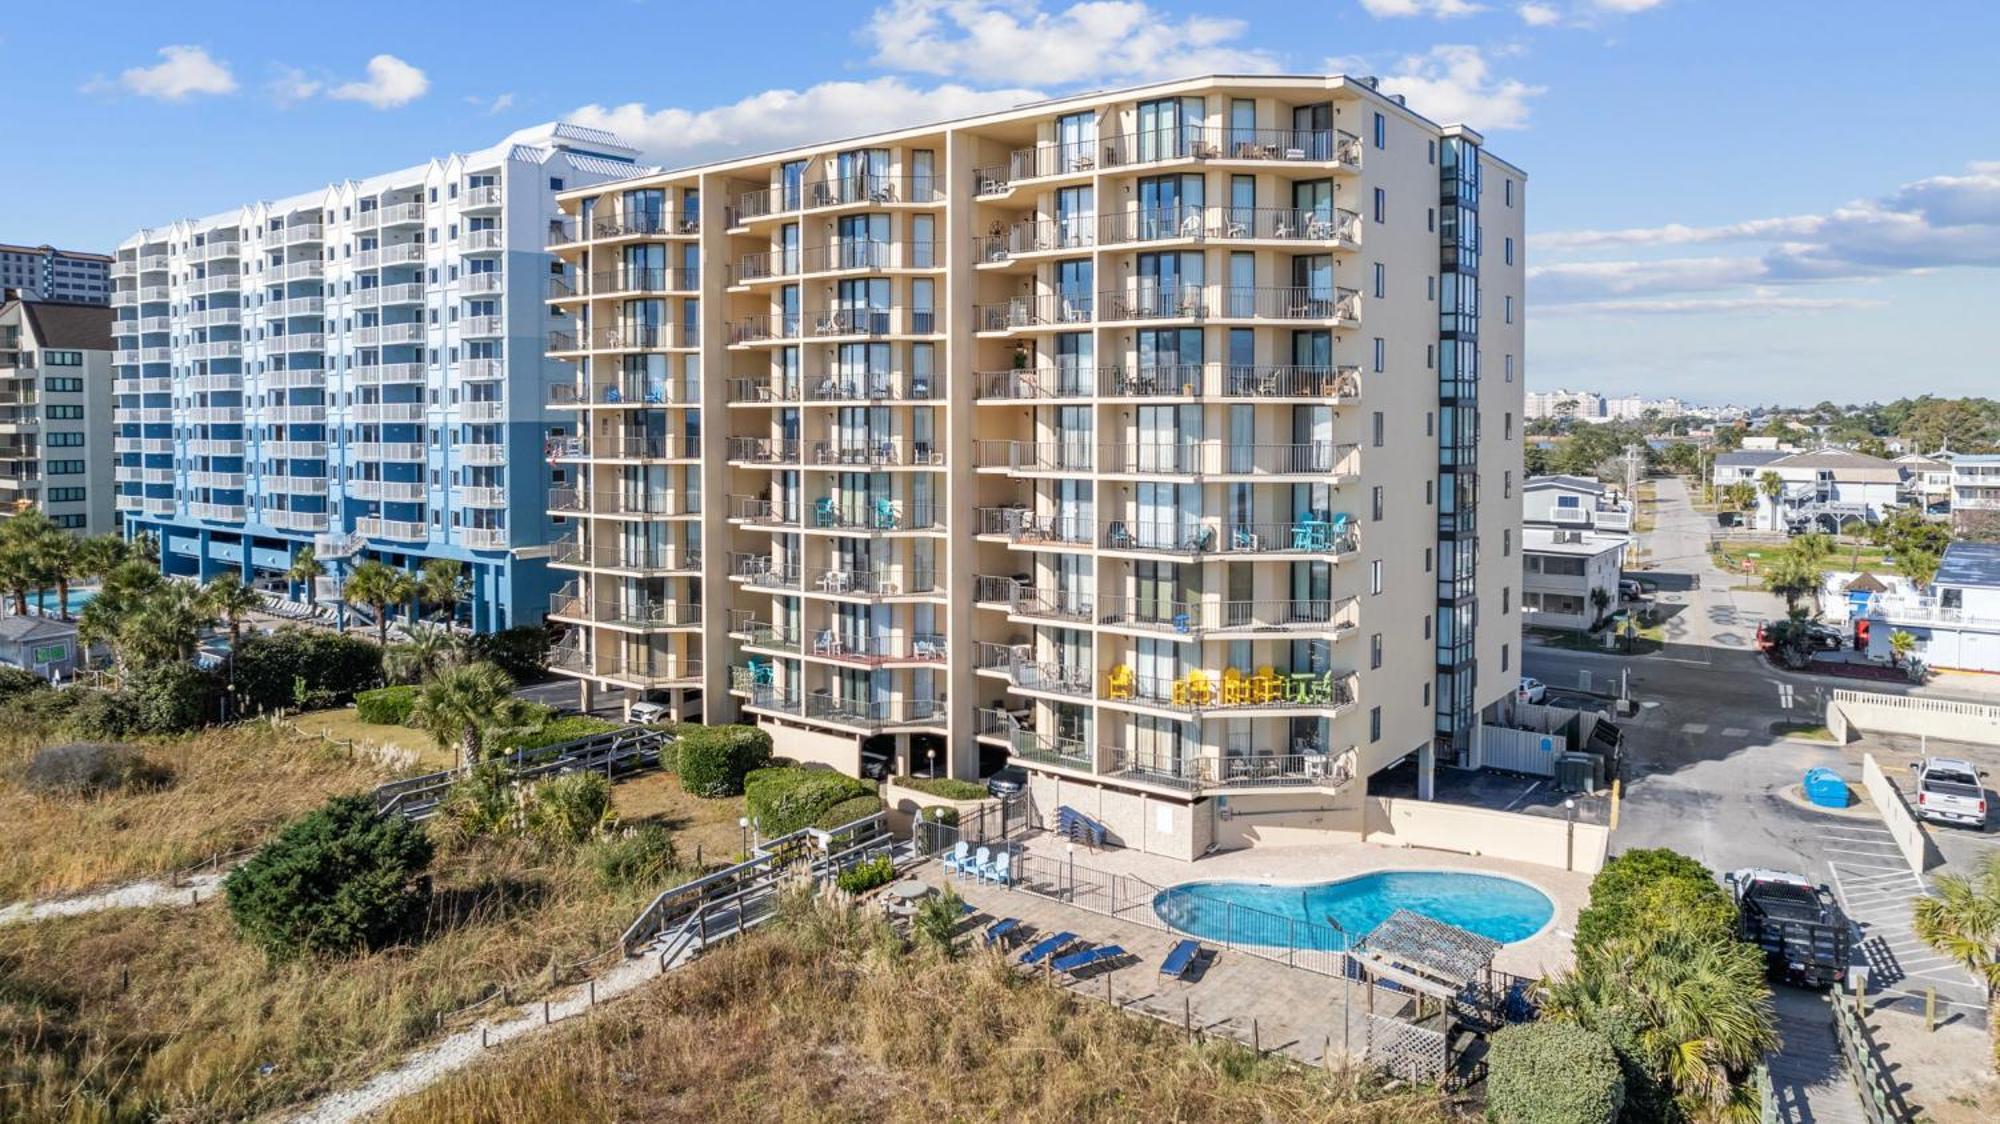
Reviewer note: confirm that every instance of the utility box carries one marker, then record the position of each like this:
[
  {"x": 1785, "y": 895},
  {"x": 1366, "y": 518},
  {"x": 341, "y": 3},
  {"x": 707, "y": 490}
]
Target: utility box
[{"x": 1826, "y": 789}]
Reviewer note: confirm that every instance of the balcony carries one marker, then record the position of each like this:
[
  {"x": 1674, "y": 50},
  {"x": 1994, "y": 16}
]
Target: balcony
[
  {"x": 754, "y": 512},
  {"x": 297, "y": 233},
  {"x": 399, "y": 451},
  {"x": 876, "y": 650},
  {"x": 480, "y": 495},
  {"x": 480, "y": 198},
  {"x": 296, "y": 450},
  {"x": 482, "y": 370},
  {"x": 391, "y": 530},
  {"x": 302, "y": 271},
  {"x": 228, "y": 481},
  {"x": 882, "y": 581},
  {"x": 387, "y": 412},
  {"x": 286, "y": 520},
  {"x": 644, "y": 670},
  {"x": 1060, "y": 605},
  {"x": 215, "y": 447},
  {"x": 892, "y": 452},
  {"x": 307, "y": 414},
  {"x": 219, "y": 349},
  {"x": 1249, "y": 771},
  {"x": 483, "y": 538},
  {"x": 572, "y": 501},
  {"x": 482, "y": 411},
  {"x": 833, "y": 324},
  {"x": 294, "y": 485},
  {"x": 474, "y": 327},
  {"x": 1021, "y": 526},
  {"x": 763, "y": 451},
  {"x": 1217, "y": 458},
  {"x": 298, "y": 342},
  {"x": 1025, "y": 313},
  {"x": 636, "y": 279},
  {"x": 386, "y": 374},
  {"x": 477, "y": 241},
  {"x": 1033, "y": 456},
  {"x": 204, "y": 384},
  {"x": 297, "y": 306},
  {"x": 482, "y": 284},
  {"x": 1198, "y": 692},
  {"x": 370, "y": 335},
  {"x": 859, "y": 513},
  {"x": 1334, "y": 538},
  {"x": 765, "y": 636},
  {"x": 208, "y": 318},
  {"x": 1337, "y": 228},
  {"x": 1929, "y": 611},
  {"x": 619, "y": 556},
  {"x": 482, "y": 453},
  {"x": 1315, "y": 615},
  {"x": 216, "y": 512},
  {"x": 392, "y": 491},
  {"x": 400, "y": 214},
  {"x": 760, "y": 571},
  {"x": 642, "y": 222},
  {"x": 824, "y": 706}
]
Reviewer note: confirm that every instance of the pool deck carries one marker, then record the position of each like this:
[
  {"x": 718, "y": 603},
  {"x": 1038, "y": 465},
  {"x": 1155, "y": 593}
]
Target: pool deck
[{"x": 1316, "y": 1018}]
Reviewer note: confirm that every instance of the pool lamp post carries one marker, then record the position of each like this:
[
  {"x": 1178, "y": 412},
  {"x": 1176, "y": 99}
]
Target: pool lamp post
[
  {"x": 1569, "y": 838},
  {"x": 743, "y": 823},
  {"x": 931, "y": 756},
  {"x": 1071, "y": 847}
]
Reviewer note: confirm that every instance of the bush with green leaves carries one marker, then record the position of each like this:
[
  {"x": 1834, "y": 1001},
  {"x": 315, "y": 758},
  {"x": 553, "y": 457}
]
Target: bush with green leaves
[
  {"x": 716, "y": 760},
  {"x": 306, "y": 669},
  {"x": 635, "y": 858},
  {"x": 567, "y": 810},
  {"x": 43, "y": 711},
  {"x": 866, "y": 875},
  {"x": 173, "y": 697},
  {"x": 522, "y": 651},
  {"x": 1644, "y": 889},
  {"x": 847, "y": 811},
  {"x": 340, "y": 878},
  {"x": 937, "y": 919},
  {"x": 386, "y": 706},
  {"x": 101, "y": 714},
  {"x": 90, "y": 769},
  {"x": 949, "y": 788},
  {"x": 1552, "y": 1073},
  {"x": 481, "y": 804},
  {"x": 17, "y": 681},
  {"x": 939, "y": 814},
  {"x": 550, "y": 731},
  {"x": 785, "y": 800}
]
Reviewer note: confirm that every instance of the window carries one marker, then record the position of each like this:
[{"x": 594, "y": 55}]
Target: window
[
  {"x": 1377, "y": 503},
  {"x": 62, "y": 358},
  {"x": 63, "y": 413},
  {"x": 1427, "y": 694},
  {"x": 1381, "y": 354},
  {"x": 65, "y": 440},
  {"x": 1378, "y": 429},
  {"x": 434, "y": 195},
  {"x": 1430, "y": 487},
  {"x": 1506, "y": 605},
  {"x": 1430, "y": 152},
  {"x": 1509, "y": 364},
  {"x": 1374, "y": 724},
  {"x": 1508, "y": 186},
  {"x": 63, "y": 383},
  {"x": 1375, "y": 652},
  {"x": 1427, "y": 626},
  {"x": 1507, "y": 542},
  {"x": 66, "y": 495},
  {"x": 1381, "y": 205},
  {"x": 1507, "y": 426},
  {"x": 63, "y": 468},
  {"x": 1430, "y": 220},
  {"x": 1507, "y": 484},
  {"x": 1427, "y": 560},
  {"x": 1430, "y": 357},
  {"x": 555, "y": 183},
  {"x": 69, "y": 522},
  {"x": 1382, "y": 133},
  {"x": 1507, "y": 250},
  {"x": 1375, "y": 576},
  {"x": 1503, "y": 657},
  {"x": 1381, "y": 279},
  {"x": 1508, "y": 302}
]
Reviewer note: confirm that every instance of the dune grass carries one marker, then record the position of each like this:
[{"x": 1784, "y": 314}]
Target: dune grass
[
  {"x": 207, "y": 1030},
  {"x": 827, "y": 1018},
  {"x": 231, "y": 788}
]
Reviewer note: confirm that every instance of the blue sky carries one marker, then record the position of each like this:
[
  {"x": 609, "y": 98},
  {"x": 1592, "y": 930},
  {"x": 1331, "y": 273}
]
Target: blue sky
[{"x": 1730, "y": 200}]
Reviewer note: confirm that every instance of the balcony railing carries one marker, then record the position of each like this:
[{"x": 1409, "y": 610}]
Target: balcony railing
[
  {"x": 635, "y": 279},
  {"x": 1187, "y": 142},
  {"x": 641, "y": 222},
  {"x": 1035, "y": 456},
  {"x": 835, "y": 322},
  {"x": 761, "y": 571},
  {"x": 835, "y": 191},
  {"x": 1218, "y": 458},
  {"x": 880, "y": 453},
  {"x": 874, "y": 714},
  {"x": 1195, "y": 617},
  {"x": 856, "y": 254},
  {"x": 1204, "y": 536},
  {"x": 1289, "y": 770},
  {"x": 895, "y": 647},
  {"x": 1029, "y": 383},
  {"x": 1260, "y": 689},
  {"x": 1022, "y": 525},
  {"x": 1230, "y": 224},
  {"x": 763, "y": 512},
  {"x": 763, "y": 450},
  {"x": 883, "y": 581},
  {"x": 1030, "y": 601},
  {"x": 862, "y": 513}
]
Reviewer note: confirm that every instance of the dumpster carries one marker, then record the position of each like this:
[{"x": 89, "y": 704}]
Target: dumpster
[{"x": 1825, "y": 788}]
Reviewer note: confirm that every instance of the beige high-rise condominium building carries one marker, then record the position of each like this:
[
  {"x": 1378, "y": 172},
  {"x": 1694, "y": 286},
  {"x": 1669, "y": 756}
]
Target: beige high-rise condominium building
[{"x": 1137, "y": 436}]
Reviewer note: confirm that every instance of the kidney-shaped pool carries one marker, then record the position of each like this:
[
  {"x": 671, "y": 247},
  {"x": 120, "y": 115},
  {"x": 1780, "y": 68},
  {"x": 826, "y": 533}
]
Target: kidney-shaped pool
[{"x": 1265, "y": 913}]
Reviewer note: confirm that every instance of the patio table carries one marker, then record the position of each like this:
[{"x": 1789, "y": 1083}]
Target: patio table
[{"x": 908, "y": 890}]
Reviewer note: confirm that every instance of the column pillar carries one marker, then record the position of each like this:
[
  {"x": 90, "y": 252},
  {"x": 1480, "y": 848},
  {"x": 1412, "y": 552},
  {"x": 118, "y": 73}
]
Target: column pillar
[{"x": 1427, "y": 771}]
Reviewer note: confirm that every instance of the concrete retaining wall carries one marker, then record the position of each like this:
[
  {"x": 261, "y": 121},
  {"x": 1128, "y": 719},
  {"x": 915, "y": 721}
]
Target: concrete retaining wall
[
  {"x": 1847, "y": 711},
  {"x": 904, "y": 804},
  {"x": 1910, "y": 836},
  {"x": 1481, "y": 831}
]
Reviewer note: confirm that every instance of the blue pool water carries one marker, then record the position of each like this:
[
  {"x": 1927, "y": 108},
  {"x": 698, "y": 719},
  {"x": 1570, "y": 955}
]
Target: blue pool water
[
  {"x": 1297, "y": 916},
  {"x": 44, "y": 603}
]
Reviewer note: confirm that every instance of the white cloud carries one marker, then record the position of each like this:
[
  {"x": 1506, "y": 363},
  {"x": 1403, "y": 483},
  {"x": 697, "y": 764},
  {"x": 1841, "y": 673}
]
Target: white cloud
[
  {"x": 1093, "y": 40},
  {"x": 1539, "y": 15},
  {"x": 391, "y": 82},
  {"x": 780, "y": 118},
  {"x": 182, "y": 72},
  {"x": 1579, "y": 13},
  {"x": 493, "y": 105},
  {"x": 293, "y": 85},
  {"x": 1454, "y": 84},
  {"x": 1760, "y": 301},
  {"x": 1437, "y": 9}
]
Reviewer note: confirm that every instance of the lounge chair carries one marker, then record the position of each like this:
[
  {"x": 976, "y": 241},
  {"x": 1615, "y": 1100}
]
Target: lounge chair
[
  {"x": 1046, "y": 947},
  {"x": 1179, "y": 959},
  {"x": 1000, "y": 871},
  {"x": 970, "y": 867},
  {"x": 1076, "y": 962},
  {"x": 961, "y": 853},
  {"x": 1001, "y": 932}
]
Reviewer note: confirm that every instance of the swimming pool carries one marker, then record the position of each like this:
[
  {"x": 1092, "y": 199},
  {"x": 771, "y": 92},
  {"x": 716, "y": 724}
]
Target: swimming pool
[
  {"x": 1297, "y": 916},
  {"x": 44, "y": 602}
]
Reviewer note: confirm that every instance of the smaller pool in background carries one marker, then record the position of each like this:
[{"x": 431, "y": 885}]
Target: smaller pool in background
[
  {"x": 44, "y": 603},
  {"x": 1328, "y": 915}
]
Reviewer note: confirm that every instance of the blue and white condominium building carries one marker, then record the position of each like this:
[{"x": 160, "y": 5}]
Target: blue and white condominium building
[{"x": 360, "y": 368}]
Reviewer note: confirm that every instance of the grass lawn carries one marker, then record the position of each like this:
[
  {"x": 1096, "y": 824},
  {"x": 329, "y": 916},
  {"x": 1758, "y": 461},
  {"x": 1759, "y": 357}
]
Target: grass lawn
[
  {"x": 695, "y": 821},
  {"x": 343, "y": 724},
  {"x": 1733, "y": 557},
  {"x": 826, "y": 1017},
  {"x": 1807, "y": 731},
  {"x": 231, "y": 788},
  {"x": 1649, "y": 639},
  {"x": 1645, "y": 507}
]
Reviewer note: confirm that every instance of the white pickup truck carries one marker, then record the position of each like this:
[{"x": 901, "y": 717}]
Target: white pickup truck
[{"x": 1950, "y": 791}]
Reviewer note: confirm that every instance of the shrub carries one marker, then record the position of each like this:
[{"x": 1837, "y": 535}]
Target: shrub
[
  {"x": 296, "y": 667},
  {"x": 549, "y": 731},
  {"x": 782, "y": 801},
  {"x": 636, "y": 858},
  {"x": 715, "y": 760},
  {"x": 1654, "y": 888},
  {"x": 482, "y": 804},
  {"x": 172, "y": 698},
  {"x": 100, "y": 714},
  {"x": 847, "y": 811},
  {"x": 339, "y": 878},
  {"x": 865, "y": 876},
  {"x": 567, "y": 810},
  {"x": 89, "y": 768},
  {"x": 16, "y": 681},
  {"x": 949, "y": 788},
  {"x": 43, "y": 710},
  {"x": 937, "y": 921},
  {"x": 522, "y": 651},
  {"x": 1552, "y": 1073},
  {"x": 939, "y": 813},
  {"x": 386, "y": 706}
]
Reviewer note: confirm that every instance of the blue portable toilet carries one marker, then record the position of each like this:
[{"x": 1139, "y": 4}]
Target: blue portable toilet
[{"x": 1825, "y": 788}]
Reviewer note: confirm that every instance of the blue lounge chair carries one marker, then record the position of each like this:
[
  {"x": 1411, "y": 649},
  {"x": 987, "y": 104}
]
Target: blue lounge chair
[
  {"x": 1000, "y": 931},
  {"x": 961, "y": 854},
  {"x": 1077, "y": 961},
  {"x": 1047, "y": 946},
  {"x": 1179, "y": 959}
]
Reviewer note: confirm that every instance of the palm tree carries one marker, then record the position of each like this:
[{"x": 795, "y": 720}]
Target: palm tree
[
  {"x": 429, "y": 650},
  {"x": 126, "y": 588},
  {"x": 55, "y": 561},
  {"x": 1773, "y": 486},
  {"x": 98, "y": 555},
  {"x": 1697, "y": 1012},
  {"x": 1813, "y": 550},
  {"x": 441, "y": 585},
  {"x": 1793, "y": 576},
  {"x": 1962, "y": 921},
  {"x": 379, "y": 586},
  {"x": 1742, "y": 495},
  {"x": 23, "y": 554},
  {"x": 1901, "y": 644},
  {"x": 167, "y": 625},
  {"x": 463, "y": 704},
  {"x": 307, "y": 570},
  {"x": 230, "y": 599}
]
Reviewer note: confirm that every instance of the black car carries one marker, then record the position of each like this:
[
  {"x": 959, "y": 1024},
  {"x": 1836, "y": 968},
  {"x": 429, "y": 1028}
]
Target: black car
[
  {"x": 1008, "y": 782},
  {"x": 1824, "y": 637},
  {"x": 875, "y": 765}
]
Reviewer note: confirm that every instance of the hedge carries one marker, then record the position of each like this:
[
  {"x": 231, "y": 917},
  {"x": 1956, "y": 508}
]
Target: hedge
[
  {"x": 309, "y": 669},
  {"x": 1552, "y": 1073},
  {"x": 386, "y": 706},
  {"x": 1652, "y": 888},
  {"x": 551, "y": 732},
  {"x": 939, "y": 813},
  {"x": 716, "y": 760},
  {"x": 948, "y": 788},
  {"x": 340, "y": 878},
  {"x": 865, "y": 876},
  {"x": 847, "y": 811},
  {"x": 784, "y": 800},
  {"x": 522, "y": 651}
]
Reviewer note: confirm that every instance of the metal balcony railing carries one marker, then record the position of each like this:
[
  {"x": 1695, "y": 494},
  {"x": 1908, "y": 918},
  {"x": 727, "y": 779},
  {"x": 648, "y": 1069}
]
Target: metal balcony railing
[
  {"x": 1072, "y": 455},
  {"x": 1022, "y": 525},
  {"x": 1230, "y": 224},
  {"x": 1194, "y": 617}
]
